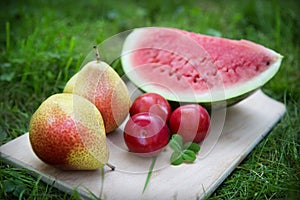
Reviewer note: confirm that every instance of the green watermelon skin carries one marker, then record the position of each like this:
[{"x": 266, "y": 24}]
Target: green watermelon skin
[{"x": 184, "y": 66}]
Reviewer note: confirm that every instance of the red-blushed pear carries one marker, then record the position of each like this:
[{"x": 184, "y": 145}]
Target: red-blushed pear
[
  {"x": 100, "y": 84},
  {"x": 67, "y": 131}
]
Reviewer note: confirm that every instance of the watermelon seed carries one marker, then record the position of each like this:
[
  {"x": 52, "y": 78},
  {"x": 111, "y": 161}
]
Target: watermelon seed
[
  {"x": 225, "y": 69},
  {"x": 196, "y": 78},
  {"x": 203, "y": 59},
  {"x": 172, "y": 72}
]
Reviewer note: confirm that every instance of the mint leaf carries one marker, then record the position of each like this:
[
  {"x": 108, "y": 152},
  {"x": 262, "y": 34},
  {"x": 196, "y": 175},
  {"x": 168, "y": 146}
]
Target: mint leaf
[
  {"x": 189, "y": 155},
  {"x": 192, "y": 146},
  {"x": 182, "y": 152},
  {"x": 175, "y": 145},
  {"x": 178, "y": 139},
  {"x": 176, "y": 158}
]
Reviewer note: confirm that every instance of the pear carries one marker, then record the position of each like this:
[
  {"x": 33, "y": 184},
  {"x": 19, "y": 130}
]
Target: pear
[
  {"x": 67, "y": 131},
  {"x": 100, "y": 83}
]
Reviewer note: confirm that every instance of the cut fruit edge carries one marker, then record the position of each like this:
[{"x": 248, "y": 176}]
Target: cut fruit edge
[{"x": 213, "y": 95}]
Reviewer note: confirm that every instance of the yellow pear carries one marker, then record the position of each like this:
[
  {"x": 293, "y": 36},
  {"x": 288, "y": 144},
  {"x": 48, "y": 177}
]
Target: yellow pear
[
  {"x": 100, "y": 84},
  {"x": 67, "y": 131}
]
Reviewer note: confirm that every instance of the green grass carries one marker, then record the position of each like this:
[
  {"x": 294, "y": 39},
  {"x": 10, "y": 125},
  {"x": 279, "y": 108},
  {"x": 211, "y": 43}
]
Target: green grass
[{"x": 44, "y": 42}]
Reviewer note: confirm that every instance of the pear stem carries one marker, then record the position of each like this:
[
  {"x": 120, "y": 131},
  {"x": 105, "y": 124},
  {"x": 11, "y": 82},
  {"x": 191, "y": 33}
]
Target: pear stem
[
  {"x": 111, "y": 166},
  {"x": 97, "y": 54}
]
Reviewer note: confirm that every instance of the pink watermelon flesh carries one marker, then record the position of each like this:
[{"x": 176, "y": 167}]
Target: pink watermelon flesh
[{"x": 190, "y": 67}]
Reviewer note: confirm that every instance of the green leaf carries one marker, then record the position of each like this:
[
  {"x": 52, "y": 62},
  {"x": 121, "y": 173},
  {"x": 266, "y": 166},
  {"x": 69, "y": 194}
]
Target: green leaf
[
  {"x": 189, "y": 155},
  {"x": 176, "y": 142},
  {"x": 182, "y": 153},
  {"x": 177, "y": 138},
  {"x": 192, "y": 146},
  {"x": 175, "y": 145},
  {"x": 176, "y": 158},
  {"x": 7, "y": 76},
  {"x": 9, "y": 186}
]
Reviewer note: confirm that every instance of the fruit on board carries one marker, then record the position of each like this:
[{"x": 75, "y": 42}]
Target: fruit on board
[
  {"x": 184, "y": 66},
  {"x": 191, "y": 121},
  {"x": 100, "y": 84},
  {"x": 146, "y": 134},
  {"x": 67, "y": 131},
  {"x": 153, "y": 103}
]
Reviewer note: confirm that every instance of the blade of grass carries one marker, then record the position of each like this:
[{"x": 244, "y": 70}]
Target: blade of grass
[
  {"x": 149, "y": 173},
  {"x": 278, "y": 27},
  {"x": 35, "y": 189},
  {"x": 71, "y": 46},
  {"x": 66, "y": 69},
  {"x": 102, "y": 181},
  {"x": 7, "y": 27},
  {"x": 75, "y": 194}
]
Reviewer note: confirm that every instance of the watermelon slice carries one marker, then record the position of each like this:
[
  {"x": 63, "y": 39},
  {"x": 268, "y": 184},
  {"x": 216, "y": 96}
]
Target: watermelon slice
[{"x": 188, "y": 67}]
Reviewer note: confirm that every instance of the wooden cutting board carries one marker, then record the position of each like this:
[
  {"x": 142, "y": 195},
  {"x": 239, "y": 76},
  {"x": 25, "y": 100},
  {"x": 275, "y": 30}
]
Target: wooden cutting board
[{"x": 236, "y": 131}]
